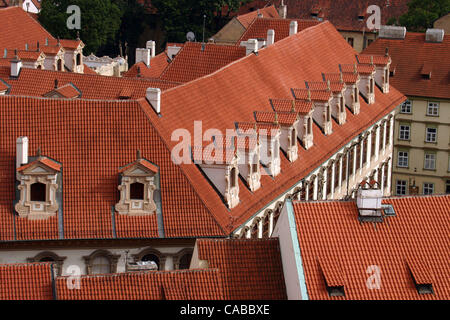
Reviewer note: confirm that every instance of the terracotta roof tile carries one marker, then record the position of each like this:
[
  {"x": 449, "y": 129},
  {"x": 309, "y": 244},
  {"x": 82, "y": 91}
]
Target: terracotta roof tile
[
  {"x": 258, "y": 29},
  {"x": 286, "y": 105},
  {"x": 360, "y": 68},
  {"x": 157, "y": 65},
  {"x": 282, "y": 118},
  {"x": 30, "y": 281},
  {"x": 152, "y": 285},
  {"x": 348, "y": 78},
  {"x": 250, "y": 269},
  {"x": 413, "y": 57},
  {"x": 347, "y": 19},
  {"x": 45, "y": 161},
  {"x": 68, "y": 91},
  {"x": 267, "y": 12},
  {"x": 412, "y": 245},
  {"x": 196, "y": 60},
  {"x": 312, "y": 95},
  {"x": 334, "y": 86},
  {"x": 379, "y": 60}
]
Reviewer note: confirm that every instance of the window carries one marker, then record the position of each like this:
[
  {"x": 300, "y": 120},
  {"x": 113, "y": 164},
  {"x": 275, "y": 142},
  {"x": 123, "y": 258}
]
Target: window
[
  {"x": 431, "y": 135},
  {"x": 151, "y": 257},
  {"x": 402, "y": 160},
  {"x": 447, "y": 187},
  {"x": 406, "y": 107},
  {"x": 185, "y": 261},
  {"x": 401, "y": 187},
  {"x": 428, "y": 188},
  {"x": 350, "y": 41},
  {"x": 38, "y": 192},
  {"x": 293, "y": 137},
  {"x": 372, "y": 86},
  {"x": 137, "y": 191},
  {"x": 100, "y": 265},
  {"x": 233, "y": 177},
  {"x": 404, "y": 132},
  {"x": 433, "y": 109},
  {"x": 309, "y": 125},
  {"x": 59, "y": 66},
  {"x": 255, "y": 163},
  {"x": 79, "y": 59},
  {"x": 430, "y": 161}
]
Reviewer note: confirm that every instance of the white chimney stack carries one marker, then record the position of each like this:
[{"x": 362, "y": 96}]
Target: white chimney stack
[
  {"x": 282, "y": 10},
  {"x": 434, "y": 35},
  {"x": 152, "y": 46},
  {"x": 293, "y": 28},
  {"x": 21, "y": 151},
  {"x": 251, "y": 45},
  {"x": 172, "y": 51},
  {"x": 368, "y": 202},
  {"x": 143, "y": 55},
  {"x": 16, "y": 65},
  {"x": 392, "y": 32},
  {"x": 153, "y": 96},
  {"x": 270, "y": 37}
]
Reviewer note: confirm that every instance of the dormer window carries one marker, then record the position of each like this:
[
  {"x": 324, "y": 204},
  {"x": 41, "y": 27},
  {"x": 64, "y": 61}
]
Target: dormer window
[
  {"x": 248, "y": 151},
  {"x": 79, "y": 59},
  {"x": 39, "y": 183},
  {"x": 137, "y": 188}
]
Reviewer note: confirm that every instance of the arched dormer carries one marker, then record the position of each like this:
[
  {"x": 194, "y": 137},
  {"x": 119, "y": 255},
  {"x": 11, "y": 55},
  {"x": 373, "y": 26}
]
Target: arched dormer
[
  {"x": 39, "y": 182},
  {"x": 137, "y": 188}
]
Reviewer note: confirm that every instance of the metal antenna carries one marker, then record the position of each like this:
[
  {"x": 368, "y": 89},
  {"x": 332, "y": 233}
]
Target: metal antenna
[{"x": 204, "y": 21}]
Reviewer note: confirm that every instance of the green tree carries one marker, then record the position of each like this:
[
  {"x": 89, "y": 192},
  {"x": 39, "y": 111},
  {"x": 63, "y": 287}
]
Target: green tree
[
  {"x": 180, "y": 16},
  {"x": 100, "y": 21},
  {"x": 423, "y": 13}
]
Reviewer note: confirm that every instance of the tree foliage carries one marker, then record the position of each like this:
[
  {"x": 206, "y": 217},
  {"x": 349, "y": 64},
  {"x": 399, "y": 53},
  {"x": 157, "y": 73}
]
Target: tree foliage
[
  {"x": 181, "y": 16},
  {"x": 423, "y": 13},
  {"x": 100, "y": 20}
]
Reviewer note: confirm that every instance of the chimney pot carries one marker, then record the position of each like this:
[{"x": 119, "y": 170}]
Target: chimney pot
[
  {"x": 270, "y": 37},
  {"x": 21, "y": 151},
  {"x": 153, "y": 96},
  {"x": 293, "y": 26}
]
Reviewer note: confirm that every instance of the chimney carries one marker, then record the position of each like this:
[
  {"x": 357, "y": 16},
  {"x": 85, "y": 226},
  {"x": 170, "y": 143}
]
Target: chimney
[
  {"x": 270, "y": 37},
  {"x": 143, "y": 55},
  {"x": 368, "y": 200},
  {"x": 434, "y": 35},
  {"x": 152, "y": 46},
  {"x": 392, "y": 32},
  {"x": 153, "y": 96},
  {"x": 293, "y": 28},
  {"x": 251, "y": 45},
  {"x": 172, "y": 51},
  {"x": 21, "y": 151},
  {"x": 16, "y": 66},
  {"x": 282, "y": 10}
]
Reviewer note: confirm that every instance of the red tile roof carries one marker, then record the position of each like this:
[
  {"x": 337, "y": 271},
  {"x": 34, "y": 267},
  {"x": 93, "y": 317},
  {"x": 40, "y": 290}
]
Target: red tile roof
[
  {"x": 334, "y": 86},
  {"x": 45, "y": 161},
  {"x": 103, "y": 134},
  {"x": 67, "y": 91},
  {"x": 258, "y": 29},
  {"x": 147, "y": 164},
  {"x": 282, "y": 118},
  {"x": 157, "y": 65},
  {"x": 312, "y": 95},
  {"x": 87, "y": 70},
  {"x": 3, "y": 86},
  {"x": 411, "y": 58},
  {"x": 28, "y": 281},
  {"x": 168, "y": 285},
  {"x": 415, "y": 239},
  {"x": 14, "y": 21},
  {"x": 267, "y": 12},
  {"x": 344, "y": 14},
  {"x": 288, "y": 105},
  {"x": 196, "y": 60},
  {"x": 34, "y": 82},
  {"x": 250, "y": 269},
  {"x": 364, "y": 69},
  {"x": 233, "y": 94},
  {"x": 348, "y": 78}
]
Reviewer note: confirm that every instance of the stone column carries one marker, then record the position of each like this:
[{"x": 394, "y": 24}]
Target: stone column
[
  {"x": 377, "y": 143},
  {"x": 315, "y": 189},
  {"x": 333, "y": 172},
  {"x": 389, "y": 177}
]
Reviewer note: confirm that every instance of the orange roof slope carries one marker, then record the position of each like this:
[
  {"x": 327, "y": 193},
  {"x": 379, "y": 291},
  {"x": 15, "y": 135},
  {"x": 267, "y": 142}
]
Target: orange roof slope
[
  {"x": 250, "y": 269},
  {"x": 35, "y": 82},
  {"x": 258, "y": 29},
  {"x": 105, "y": 135},
  {"x": 410, "y": 56},
  {"x": 157, "y": 65},
  {"x": 267, "y": 12},
  {"x": 416, "y": 237},
  {"x": 344, "y": 14},
  {"x": 171, "y": 285},
  {"x": 14, "y": 21},
  {"x": 196, "y": 60},
  {"x": 232, "y": 94},
  {"x": 31, "y": 281}
]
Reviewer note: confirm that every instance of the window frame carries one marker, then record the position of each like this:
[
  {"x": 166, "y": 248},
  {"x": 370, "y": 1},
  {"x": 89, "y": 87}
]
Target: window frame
[
  {"x": 400, "y": 132},
  {"x": 402, "y": 157},
  {"x": 425, "y": 161},
  {"x": 430, "y": 185},
  {"x": 407, "y": 103},
  {"x": 397, "y": 185},
  {"x": 435, "y": 106},
  {"x": 435, "y": 134}
]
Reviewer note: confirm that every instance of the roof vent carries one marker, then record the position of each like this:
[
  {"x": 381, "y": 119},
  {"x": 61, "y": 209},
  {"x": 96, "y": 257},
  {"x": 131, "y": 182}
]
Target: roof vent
[
  {"x": 270, "y": 37},
  {"x": 293, "y": 26},
  {"x": 368, "y": 201},
  {"x": 434, "y": 35},
  {"x": 392, "y": 32},
  {"x": 153, "y": 96}
]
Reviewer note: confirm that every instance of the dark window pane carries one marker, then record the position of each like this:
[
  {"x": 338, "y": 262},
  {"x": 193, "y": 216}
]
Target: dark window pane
[
  {"x": 137, "y": 191},
  {"x": 38, "y": 192}
]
